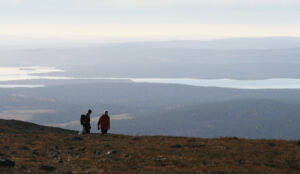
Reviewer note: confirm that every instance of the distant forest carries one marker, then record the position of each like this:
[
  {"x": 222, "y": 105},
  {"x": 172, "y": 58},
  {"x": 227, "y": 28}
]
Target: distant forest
[{"x": 164, "y": 109}]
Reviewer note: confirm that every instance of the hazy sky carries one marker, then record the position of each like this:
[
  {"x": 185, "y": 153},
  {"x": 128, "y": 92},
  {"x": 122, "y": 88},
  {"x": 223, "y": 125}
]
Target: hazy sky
[{"x": 131, "y": 20}]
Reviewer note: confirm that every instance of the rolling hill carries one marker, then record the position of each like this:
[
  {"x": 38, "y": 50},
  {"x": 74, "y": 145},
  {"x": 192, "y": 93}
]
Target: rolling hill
[{"x": 50, "y": 150}]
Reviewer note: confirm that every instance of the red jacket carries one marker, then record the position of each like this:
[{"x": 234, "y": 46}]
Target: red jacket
[{"x": 104, "y": 122}]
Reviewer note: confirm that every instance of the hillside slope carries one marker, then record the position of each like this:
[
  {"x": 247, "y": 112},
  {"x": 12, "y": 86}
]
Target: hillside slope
[
  {"x": 16, "y": 126},
  {"x": 50, "y": 152}
]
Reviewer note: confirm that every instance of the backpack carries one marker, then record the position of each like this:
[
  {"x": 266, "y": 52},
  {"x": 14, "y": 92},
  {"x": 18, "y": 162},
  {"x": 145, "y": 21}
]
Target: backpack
[{"x": 82, "y": 119}]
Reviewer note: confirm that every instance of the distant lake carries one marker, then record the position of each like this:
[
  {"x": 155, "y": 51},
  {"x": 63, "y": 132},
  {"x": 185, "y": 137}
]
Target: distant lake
[
  {"x": 28, "y": 73},
  {"x": 31, "y": 73},
  {"x": 21, "y": 86},
  {"x": 227, "y": 83}
]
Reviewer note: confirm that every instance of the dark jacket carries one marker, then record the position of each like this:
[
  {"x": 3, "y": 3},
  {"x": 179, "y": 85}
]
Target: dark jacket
[{"x": 85, "y": 121}]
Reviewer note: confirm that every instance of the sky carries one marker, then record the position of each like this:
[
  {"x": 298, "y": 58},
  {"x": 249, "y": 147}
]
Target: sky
[{"x": 146, "y": 20}]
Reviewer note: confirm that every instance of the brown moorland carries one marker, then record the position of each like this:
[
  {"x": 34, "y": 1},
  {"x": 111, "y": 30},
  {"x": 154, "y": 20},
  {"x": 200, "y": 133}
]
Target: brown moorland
[{"x": 66, "y": 152}]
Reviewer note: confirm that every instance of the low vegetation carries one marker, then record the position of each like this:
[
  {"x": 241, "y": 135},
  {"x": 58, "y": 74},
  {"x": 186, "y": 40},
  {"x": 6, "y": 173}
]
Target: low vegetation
[{"x": 66, "y": 152}]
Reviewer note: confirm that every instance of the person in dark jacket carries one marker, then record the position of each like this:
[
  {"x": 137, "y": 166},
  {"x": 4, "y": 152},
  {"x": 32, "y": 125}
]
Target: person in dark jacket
[
  {"x": 104, "y": 123},
  {"x": 88, "y": 122},
  {"x": 82, "y": 122},
  {"x": 85, "y": 122}
]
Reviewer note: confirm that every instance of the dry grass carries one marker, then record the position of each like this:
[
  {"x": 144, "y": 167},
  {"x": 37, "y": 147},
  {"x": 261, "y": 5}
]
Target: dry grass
[{"x": 70, "y": 153}]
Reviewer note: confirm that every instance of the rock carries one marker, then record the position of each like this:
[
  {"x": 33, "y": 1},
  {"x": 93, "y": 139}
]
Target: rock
[
  {"x": 176, "y": 146},
  {"x": 56, "y": 147},
  {"x": 161, "y": 158},
  {"x": 6, "y": 163},
  {"x": 60, "y": 160},
  {"x": 48, "y": 168},
  {"x": 13, "y": 153},
  {"x": 97, "y": 152},
  {"x": 77, "y": 139},
  {"x": 54, "y": 154},
  {"x": 162, "y": 161},
  {"x": 24, "y": 148},
  {"x": 83, "y": 149},
  {"x": 196, "y": 145},
  {"x": 226, "y": 148},
  {"x": 271, "y": 144},
  {"x": 23, "y": 168},
  {"x": 191, "y": 140},
  {"x": 6, "y": 147},
  {"x": 111, "y": 152},
  {"x": 298, "y": 143},
  {"x": 35, "y": 153},
  {"x": 135, "y": 138}
]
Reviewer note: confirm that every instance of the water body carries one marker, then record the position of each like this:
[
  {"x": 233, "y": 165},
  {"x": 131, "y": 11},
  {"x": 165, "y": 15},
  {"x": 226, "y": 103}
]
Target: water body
[
  {"x": 279, "y": 83},
  {"x": 21, "y": 86},
  {"x": 276, "y": 83},
  {"x": 35, "y": 72},
  {"x": 27, "y": 73}
]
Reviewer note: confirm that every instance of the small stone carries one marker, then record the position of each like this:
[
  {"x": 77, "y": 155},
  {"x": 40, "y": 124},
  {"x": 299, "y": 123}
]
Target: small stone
[
  {"x": 111, "y": 152},
  {"x": 48, "y": 168},
  {"x": 91, "y": 172},
  {"x": 24, "y": 148},
  {"x": 35, "y": 153},
  {"x": 13, "y": 153},
  {"x": 191, "y": 140},
  {"x": 176, "y": 146},
  {"x": 23, "y": 167},
  {"x": 60, "y": 160},
  {"x": 56, "y": 147},
  {"x": 161, "y": 158},
  {"x": 271, "y": 144},
  {"x": 196, "y": 145},
  {"x": 77, "y": 139},
  {"x": 6, "y": 163},
  {"x": 135, "y": 138},
  {"x": 83, "y": 149},
  {"x": 54, "y": 154},
  {"x": 97, "y": 152}
]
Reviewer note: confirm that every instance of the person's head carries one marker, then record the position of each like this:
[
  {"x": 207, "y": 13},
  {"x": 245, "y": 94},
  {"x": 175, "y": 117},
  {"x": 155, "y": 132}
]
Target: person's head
[
  {"x": 105, "y": 112},
  {"x": 89, "y": 111}
]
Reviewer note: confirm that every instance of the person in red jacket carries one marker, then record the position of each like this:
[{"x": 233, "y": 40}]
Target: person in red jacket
[{"x": 104, "y": 123}]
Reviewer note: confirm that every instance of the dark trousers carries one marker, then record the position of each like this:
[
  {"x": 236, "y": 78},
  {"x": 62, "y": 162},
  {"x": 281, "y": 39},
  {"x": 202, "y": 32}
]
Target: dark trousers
[
  {"x": 87, "y": 129},
  {"x": 103, "y": 131}
]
